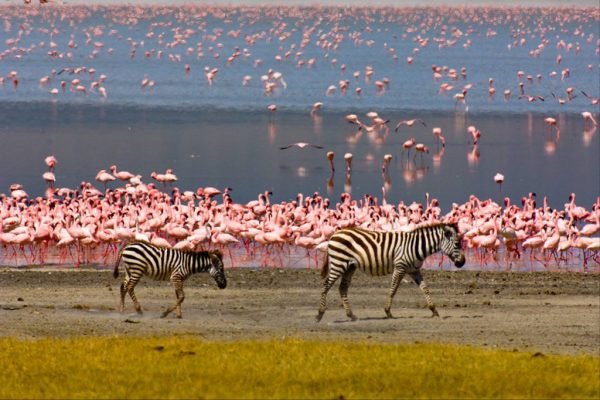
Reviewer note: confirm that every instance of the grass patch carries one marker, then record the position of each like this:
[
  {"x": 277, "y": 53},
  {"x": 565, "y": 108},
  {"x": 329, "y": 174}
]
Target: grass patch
[{"x": 186, "y": 367}]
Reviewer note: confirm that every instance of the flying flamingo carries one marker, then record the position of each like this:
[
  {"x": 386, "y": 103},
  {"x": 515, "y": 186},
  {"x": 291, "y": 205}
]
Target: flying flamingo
[
  {"x": 409, "y": 123},
  {"x": 301, "y": 145},
  {"x": 531, "y": 99},
  {"x": 595, "y": 100}
]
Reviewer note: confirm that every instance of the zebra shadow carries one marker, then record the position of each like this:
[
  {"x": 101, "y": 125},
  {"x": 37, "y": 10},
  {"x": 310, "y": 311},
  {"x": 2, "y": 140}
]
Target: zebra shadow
[{"x": 349, "y": 321}]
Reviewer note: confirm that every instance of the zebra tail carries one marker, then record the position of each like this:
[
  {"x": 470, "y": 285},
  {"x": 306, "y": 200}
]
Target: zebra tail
[
  {"x": 116, "y": 270},
  {"x": 325, "y": 268}
]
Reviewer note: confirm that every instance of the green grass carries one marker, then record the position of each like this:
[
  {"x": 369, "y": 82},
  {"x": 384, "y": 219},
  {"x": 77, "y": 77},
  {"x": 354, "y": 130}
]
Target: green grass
[{"x": 186, "y": 367}]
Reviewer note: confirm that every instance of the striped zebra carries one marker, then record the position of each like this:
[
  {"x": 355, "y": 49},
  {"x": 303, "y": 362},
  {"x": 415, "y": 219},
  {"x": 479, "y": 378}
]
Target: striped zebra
[
  {"x": 161, "y": 263},
  {"x": 382, "y": 253}
]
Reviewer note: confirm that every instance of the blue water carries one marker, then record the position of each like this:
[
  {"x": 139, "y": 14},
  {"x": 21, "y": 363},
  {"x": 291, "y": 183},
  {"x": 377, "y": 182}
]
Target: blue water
[{"x": 222, "y": 135}]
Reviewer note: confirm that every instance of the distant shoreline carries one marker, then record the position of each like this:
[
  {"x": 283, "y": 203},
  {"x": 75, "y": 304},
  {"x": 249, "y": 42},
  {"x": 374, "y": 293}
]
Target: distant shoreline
[{"x": 334, "y": 3}]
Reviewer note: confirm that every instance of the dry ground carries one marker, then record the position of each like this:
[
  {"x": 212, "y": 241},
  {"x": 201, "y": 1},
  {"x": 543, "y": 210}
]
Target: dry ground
[{"x": 546, "y": 312}]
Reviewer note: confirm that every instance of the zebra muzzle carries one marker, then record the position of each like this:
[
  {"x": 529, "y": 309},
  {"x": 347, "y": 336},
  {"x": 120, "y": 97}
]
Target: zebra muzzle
[
  {"x": 460, "y": 261},
  {"x": 222, "y": 285}
]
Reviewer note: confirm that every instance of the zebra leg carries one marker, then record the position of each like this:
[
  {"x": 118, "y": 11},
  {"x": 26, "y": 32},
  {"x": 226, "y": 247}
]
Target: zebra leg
[
  {"x": 396, "y": 279},
  {"x": 180, "y": 297},
  {"x": 344, "y": 285},
  {"x": 129, "y": 288},
  {"x": 418, "y": 278},
  {"x": 327, "y": 284},
  {"x": 123, "y": 293}
]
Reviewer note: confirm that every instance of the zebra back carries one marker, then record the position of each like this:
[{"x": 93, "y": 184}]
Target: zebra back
[{"x": 160, "y": 262}]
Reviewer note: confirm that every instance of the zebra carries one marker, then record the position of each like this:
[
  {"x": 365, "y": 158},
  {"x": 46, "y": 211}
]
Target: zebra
[
  {"x": 382, "y": 253},
  {"x": 162, "y": 263}
]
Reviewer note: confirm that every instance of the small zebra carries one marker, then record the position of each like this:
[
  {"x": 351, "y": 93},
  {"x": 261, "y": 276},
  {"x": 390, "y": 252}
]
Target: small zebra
[
  {"x": 161, "y": 264},
  {"x": 382, "y": 253}
]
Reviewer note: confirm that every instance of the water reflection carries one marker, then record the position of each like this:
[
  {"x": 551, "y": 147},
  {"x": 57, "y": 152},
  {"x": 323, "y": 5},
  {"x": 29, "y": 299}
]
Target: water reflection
[
  {"x": 206, "y": 149},
  {"x": 588, "y": 135}
]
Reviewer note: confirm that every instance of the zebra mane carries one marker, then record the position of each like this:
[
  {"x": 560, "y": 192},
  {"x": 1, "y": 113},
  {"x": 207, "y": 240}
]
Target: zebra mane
[
  {"x": 201, "y": 252},
  {"x": 428, "y": 225}
]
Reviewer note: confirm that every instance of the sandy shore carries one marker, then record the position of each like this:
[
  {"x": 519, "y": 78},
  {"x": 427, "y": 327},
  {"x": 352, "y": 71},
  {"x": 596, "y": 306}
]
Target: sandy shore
[{"x": 546, "y": 312}]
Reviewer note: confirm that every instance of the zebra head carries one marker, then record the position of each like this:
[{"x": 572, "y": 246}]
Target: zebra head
[
  {"x": 451, "y": 245},
  {"x": 217, "y": 269}
]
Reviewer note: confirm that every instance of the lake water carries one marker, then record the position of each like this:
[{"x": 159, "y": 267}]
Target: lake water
[{"x": 222, "y": 135}]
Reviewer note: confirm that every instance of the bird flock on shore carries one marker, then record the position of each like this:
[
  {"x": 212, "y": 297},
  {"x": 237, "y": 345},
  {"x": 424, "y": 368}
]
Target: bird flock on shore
[{"x": 88, "y": 225}]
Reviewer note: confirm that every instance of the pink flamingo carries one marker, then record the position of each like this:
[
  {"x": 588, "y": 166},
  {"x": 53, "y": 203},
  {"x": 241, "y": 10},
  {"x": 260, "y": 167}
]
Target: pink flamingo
[
  {"x": 587, "y": 116},
  {"x": 122, "y": 175},
  {"x": 409, "y": 123},
  {"x": 437, "y": 132},
  {"x": 50, "y": 162},
  {"x": 408, "y": 144},
  {"x": 104, "y": 177}
]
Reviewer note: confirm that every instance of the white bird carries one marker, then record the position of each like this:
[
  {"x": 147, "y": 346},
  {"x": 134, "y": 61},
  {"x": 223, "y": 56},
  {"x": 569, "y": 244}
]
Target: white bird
[{"x": 301, "y": 145}]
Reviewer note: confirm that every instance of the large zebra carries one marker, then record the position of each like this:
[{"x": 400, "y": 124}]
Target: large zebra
[
  {"x": 161, "y": 263},
  {"x": 382, "y": 253}
]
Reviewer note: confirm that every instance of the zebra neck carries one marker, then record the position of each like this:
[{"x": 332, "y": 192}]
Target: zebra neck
[
  {"x": 426, "y": 241},
  {"x": 199, "y": 261}
]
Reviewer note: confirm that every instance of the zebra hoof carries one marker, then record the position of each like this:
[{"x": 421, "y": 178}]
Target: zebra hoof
[
  {"x": 319, "y": 316},
  {"x": 435, "y": 314},
  {"x": 163, "y": 315},
  {"x": 352, "y": 317},
  {"x": 388, "y": 314}
]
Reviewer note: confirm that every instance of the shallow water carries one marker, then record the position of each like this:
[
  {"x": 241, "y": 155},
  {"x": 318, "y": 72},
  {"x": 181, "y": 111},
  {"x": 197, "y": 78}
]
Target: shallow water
[{"x": 240, "y": 150}]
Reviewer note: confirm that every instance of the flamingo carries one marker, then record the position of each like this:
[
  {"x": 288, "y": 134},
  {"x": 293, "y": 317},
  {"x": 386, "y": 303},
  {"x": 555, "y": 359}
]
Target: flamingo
[
  {"x": 408, "y": 144},
  {"x": 330, "y": 155},
  {"x": 122, "y": 175},
  {"x": 104, "y": 177},
  {"x": 348, "y": 159},
  {"x": 49, "y": 178},
  {"x": 499, "y": 179},
  {"x": 587, "y": 116},
  {"x": 316, "y": 107},
  {"x": 437, "y": 132},
  {"x": 301, "y": 145},
  {"x": 50, "y": 162},
  {"x": 551, "y": 122},
  {"x": 409, "y": 123}
]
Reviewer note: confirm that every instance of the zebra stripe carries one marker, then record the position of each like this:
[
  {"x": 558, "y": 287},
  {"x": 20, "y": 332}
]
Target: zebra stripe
[
  {"x": 161, "y": 263},
  {"x": 382, "y": 253}
]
